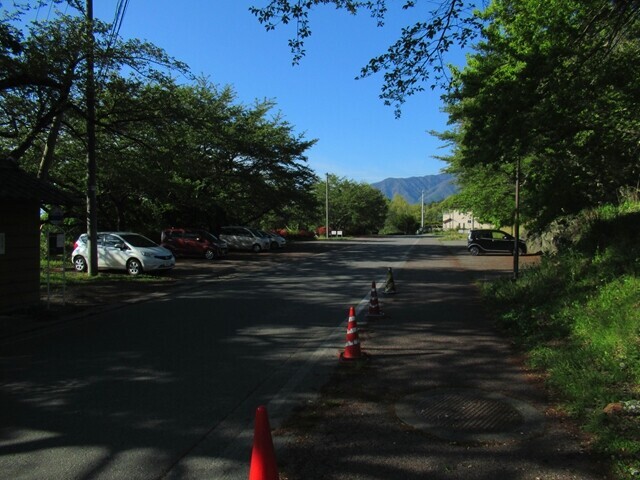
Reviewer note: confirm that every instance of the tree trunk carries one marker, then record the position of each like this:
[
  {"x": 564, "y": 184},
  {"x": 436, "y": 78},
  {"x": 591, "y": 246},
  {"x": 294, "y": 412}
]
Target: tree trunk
[{"x": 47, "y": 155}]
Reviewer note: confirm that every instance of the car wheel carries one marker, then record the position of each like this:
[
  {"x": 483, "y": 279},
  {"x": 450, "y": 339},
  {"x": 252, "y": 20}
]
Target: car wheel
[
  {"x": 134, "y": 267},
  {"x": 474, "y": 251},
  {"x": 521, "y": 251},
  {"x": 80, "y": 264},
  {"x": 256, "y": 248},
  {"x": 209, "y": 254}
]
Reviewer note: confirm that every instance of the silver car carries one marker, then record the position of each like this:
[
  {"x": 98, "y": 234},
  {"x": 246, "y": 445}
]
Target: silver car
[
  {"x": 276, "y": 240},
  {"x": 124, "y": 251},
  {"x": 244, "y": 238}
]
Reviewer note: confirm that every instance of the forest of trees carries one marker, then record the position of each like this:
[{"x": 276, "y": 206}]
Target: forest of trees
[
  {"x": 550, "y": 91},
  {"x": 169, "y": 153}
]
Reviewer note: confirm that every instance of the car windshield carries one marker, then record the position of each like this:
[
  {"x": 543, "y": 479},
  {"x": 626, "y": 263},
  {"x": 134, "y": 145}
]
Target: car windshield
[
  {"x": 136, "y": 240},
  {"x": 210, "y": 236}
]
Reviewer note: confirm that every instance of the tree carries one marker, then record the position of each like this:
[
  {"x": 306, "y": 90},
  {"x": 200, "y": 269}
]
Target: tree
[
  {"x": 356, "y": 208},
  {"x": 168, "y": 153},
  {"x": 432, "y": 213},
  {"x": 267, "y": 164},
  {"x": 189, "y": 155},
  {"x": 542, "y": 92},
  {"x": 42, "y": 78},
  {"x": 418, "y": 57},
  {"x": 401, "y": 217}
]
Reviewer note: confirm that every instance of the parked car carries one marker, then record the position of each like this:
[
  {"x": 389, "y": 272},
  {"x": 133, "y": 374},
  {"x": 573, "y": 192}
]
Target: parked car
[
  {"x": 277, "y": 241},
  {"x": 493, "y": 241},
  {"x": 193, "y": 242},
  {"x": 244, "y": 238},
  {"x": 123, "y": 250}
]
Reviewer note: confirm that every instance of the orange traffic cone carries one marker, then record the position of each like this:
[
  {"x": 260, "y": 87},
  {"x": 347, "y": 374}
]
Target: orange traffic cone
[
  {"x": 352, "y": 349},
  {"x": 263, "y": 456},
  {"x": 374, "y": 306}
]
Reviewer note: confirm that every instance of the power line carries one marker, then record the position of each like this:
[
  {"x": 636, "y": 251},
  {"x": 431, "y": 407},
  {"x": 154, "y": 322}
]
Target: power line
[
  {"x": 38, "y": 11},
  {"x": 116, "y": 25},
  {"x": 121, "y": 10}
]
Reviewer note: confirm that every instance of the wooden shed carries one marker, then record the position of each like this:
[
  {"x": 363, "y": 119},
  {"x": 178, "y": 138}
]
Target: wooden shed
[{"x": 21, "y": 196}]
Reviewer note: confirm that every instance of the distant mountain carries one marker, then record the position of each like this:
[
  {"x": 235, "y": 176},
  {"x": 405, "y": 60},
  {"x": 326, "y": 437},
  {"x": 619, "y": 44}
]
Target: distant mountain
[{"x": 436, "y": 187}]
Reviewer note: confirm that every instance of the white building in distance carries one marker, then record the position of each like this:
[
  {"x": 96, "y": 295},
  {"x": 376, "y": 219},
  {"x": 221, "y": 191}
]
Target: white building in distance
[{"x": 457, "y": 220}]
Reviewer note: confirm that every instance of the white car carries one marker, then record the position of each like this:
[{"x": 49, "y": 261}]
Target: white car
[{"x": 124, "y": 251}]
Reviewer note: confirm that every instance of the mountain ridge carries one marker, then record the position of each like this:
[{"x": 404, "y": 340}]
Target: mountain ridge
[{"x": 436, "y": 187}]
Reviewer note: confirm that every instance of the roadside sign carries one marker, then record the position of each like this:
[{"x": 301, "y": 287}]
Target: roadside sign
[
  {"x": 56, "y": 216},
  {"x": 56, "y": 243}
]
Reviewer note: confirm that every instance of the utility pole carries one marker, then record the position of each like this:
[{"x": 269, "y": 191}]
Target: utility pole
[
  {"x": 92, "y": 214},
  {"x": 516, "y": 226},
  {"x": 422, "y": 216},
  {"x": 326, "y": 219}
]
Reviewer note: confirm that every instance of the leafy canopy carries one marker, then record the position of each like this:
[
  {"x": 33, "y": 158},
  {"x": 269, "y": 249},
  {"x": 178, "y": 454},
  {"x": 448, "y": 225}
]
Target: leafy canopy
[
  {"x": 416, "y": 59},
  {"x": 553, "y": 88},
  {"x": 354, "y": 207},
  {"x": 168, "y": 153}
]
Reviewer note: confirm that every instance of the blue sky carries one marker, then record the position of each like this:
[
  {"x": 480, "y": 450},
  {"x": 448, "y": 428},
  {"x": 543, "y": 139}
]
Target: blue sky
[{"x": 358, "y": 136}]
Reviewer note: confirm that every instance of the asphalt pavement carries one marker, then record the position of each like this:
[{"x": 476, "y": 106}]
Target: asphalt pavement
[
  {"x": 440, "y": 395},
  {"x": 165, "y": 385}
]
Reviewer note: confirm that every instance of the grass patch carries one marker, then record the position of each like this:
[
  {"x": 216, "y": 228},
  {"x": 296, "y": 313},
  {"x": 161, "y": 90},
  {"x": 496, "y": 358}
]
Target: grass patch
[
  {"x": 53, "y": 271},
  {"x": 337, "y": 238},
  {"x": 451, "y": 235},
  {"x": 577, "y": 315}
]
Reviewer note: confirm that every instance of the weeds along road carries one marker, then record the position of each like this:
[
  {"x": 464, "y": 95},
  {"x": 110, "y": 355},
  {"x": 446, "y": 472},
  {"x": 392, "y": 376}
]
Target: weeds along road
[{"x": 168, "y": 388}]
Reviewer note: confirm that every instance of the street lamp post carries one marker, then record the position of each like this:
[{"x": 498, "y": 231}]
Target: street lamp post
[{"x": 326, "y": 219}]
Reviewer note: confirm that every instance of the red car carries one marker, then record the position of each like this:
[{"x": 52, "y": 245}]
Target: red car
[{"x": 193, "y": 242}]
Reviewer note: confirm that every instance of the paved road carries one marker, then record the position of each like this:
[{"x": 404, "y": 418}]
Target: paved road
[
  {"x": 444, "y": 397},
  {"x": 168, "y": 388}
]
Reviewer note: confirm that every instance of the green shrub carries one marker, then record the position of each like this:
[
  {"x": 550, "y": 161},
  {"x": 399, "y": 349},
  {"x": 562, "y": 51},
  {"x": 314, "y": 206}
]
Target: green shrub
[{"x": 577, "y": 315}]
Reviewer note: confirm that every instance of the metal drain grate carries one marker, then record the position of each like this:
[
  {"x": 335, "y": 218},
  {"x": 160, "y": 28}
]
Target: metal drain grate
[
  {"x": 466, "y": 413},
  {"x": 470, "y": 415}
]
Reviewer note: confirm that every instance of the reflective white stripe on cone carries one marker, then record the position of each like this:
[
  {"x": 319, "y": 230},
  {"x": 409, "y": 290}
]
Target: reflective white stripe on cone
[
  {"x": 352, "y": 349},
  {"x": 374, "y": 306}
]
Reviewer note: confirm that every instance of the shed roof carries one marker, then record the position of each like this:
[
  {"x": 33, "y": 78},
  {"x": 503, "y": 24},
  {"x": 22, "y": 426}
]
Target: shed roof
[{"x": 17, "y": 184}]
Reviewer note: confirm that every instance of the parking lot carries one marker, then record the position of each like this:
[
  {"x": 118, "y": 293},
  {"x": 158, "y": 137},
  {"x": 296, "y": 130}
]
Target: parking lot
[
  {"x": 167, "y": 388},
  {"x": 190, "y": 269}
]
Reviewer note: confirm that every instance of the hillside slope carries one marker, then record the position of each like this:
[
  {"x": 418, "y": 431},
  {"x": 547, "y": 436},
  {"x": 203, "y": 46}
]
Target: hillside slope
[{"x": 435, "y": 187}]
